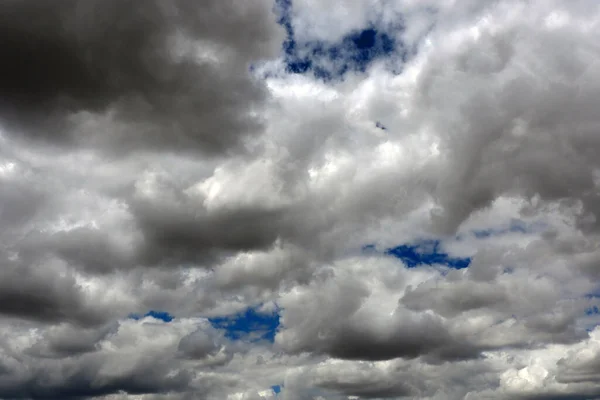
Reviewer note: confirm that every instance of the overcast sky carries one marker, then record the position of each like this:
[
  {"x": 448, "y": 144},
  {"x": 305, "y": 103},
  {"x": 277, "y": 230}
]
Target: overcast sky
[{"x": 300, "y": 199}]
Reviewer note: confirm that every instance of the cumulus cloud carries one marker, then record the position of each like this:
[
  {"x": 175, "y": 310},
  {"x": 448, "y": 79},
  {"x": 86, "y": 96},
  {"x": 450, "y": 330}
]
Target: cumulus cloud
[
  {"x": 297, "y": 200},
  {"x": 162, "y": 75}
]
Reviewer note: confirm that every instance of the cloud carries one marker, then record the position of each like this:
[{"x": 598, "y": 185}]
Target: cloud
[
  {"x": 42, "y": 294},
  {"x": 92, "y": 372},
  {"x": 344, "y": 318},
  {"x": 299, "y": 200},
  {"x": 128, "y": 77}
]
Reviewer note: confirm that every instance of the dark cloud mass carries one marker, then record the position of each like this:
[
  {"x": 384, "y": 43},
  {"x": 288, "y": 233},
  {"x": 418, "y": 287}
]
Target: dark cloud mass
[
  {"x": 39, "y": 292},
  {"x": 299, "y": 200},
  {"x": 148, "y": 66}
]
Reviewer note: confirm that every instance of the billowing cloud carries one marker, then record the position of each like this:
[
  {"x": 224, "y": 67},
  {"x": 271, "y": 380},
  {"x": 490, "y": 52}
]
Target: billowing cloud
[
  {"x": 162, "y": 75},
  {"x": 298, "y": 200}
]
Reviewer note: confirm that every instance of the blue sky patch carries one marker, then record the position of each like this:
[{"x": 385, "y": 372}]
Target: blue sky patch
[
  {"x": 249, "y": 324},
  {"x": 162, "y": 315},
  {"x": 327, "y": 61},
  {"x": 276, "y": 389},
  {"x": 426, "y": 252},
  {"x": 592, "y": 311}
]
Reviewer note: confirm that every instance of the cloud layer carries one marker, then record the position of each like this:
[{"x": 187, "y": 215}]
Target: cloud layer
[{"x": 299, "y": 200}]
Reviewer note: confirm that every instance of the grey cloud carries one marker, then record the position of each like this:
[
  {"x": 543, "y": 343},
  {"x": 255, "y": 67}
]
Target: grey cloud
[
  {"x": 543, "y": 316},
  {"x": 582, "y": 369},
  {"x": 207, "y": 346},
  {"x": 368, "y": 388},
  {"x": 189, "y": 234},
  {"x": 158, "y": 231},
  {"x": 21, "y": 201},
  {"x": 407, "y": 337},
  {"x": 81, "y": 382},
  {"x": 264, "y": 270},
  {"x": 92, "y": 250},
  {"x": 559, "y": 325},
  {"x": 529, "y": 133},
  {"x": 131, "y": 357},
  {"x": 453, "y": 298},
  {"x": 39, "y": 292},
  {"x": 496, "y": 107},
  {"x": 198, "y": 345},
  {"x": 66, "y": 340},
  {"x": 329, "y": 320},
  {"x": 396, "y": 379},
  {"x": 66, "y": 61}
]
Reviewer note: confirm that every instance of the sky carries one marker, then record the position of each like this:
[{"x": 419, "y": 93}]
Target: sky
[{"x": 299, "y": 199}]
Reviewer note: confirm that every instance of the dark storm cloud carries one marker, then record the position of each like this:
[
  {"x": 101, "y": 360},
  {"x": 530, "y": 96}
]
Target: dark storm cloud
[
  {"x": 68, "y": 340},
  {"x": 65, "y": 61},
  {"x": 191, "y": 235},
  {"x": 39, "y": 292},
  {"x": 369, "y": 389},
  {"x": 408, "y": 339},
  {"x": 81, "y": 381},
  {"x": 91, "y": 250}
]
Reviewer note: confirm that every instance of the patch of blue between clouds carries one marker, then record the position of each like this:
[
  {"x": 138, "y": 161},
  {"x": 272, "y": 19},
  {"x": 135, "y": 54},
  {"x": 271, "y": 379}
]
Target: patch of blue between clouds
[
  {"x": 276, "y": 389},
  {"x": 592, "y": 311},
  {"x": 330, "y": 61},
  {"x": 249, "y": 325},
  {"x": 161, "y": 315},
  {"x": 429, "y": 251},
  {"x": 424, "y": 252}
]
